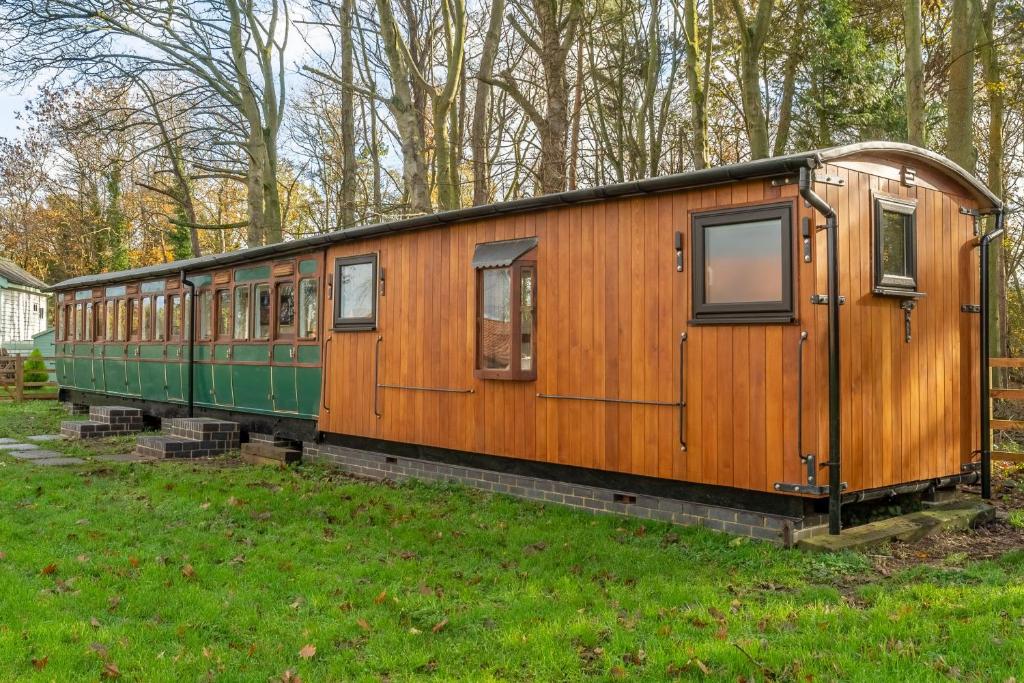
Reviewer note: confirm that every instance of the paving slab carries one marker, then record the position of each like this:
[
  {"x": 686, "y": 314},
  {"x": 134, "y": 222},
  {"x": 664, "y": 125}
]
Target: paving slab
[
  {"x": 6, "y": 439},
  {"x": 36, "y": 454},
  {"x": 124, "y": 457},
  {"x": 45, "y": 437},
  {"x": 911, "y": 527},
  {"x": 18, "y": 446},
  {"x": 57, "y": 462}
]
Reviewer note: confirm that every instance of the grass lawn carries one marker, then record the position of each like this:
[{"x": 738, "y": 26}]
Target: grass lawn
[{"x": 187, "y": 571}]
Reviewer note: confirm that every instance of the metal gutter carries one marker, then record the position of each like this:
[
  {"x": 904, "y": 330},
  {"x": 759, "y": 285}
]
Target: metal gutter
[
  {"x": 985, "y": 404},
  {"x": 835, "y": 486},
  {"x": 185, "y": 282}
]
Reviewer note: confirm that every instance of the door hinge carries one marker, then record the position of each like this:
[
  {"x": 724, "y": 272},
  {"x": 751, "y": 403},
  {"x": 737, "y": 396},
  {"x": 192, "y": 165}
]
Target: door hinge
[
  {"x": 970, "y": 308},
  {"x": 822, "y": 299}
]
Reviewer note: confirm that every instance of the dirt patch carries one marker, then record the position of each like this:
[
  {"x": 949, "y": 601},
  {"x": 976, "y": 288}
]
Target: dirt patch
[{"x": 985, "y": 542}]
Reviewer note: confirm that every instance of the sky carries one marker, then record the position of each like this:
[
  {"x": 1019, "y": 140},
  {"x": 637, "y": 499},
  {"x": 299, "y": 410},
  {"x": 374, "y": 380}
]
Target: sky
[{"x": 12, "y": 100}]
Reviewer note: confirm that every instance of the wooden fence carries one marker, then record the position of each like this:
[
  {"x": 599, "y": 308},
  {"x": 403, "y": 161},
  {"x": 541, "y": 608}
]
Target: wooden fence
[
  {"x": 1005, "y": 394},
  {"x": 13, "y": 386}
]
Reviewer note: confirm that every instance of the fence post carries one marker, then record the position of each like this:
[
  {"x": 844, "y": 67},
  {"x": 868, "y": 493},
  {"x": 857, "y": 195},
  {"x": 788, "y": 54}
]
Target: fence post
[{"x": 19, "y": 377}]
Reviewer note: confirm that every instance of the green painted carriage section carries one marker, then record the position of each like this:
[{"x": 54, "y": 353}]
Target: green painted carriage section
[{"x": 264, "y": 378}]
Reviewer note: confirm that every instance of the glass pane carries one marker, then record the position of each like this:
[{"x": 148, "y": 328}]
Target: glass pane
[
  {"x": 894, "y": 243},
  {"x": 88, "y": 322},
  {"x": 160, "y": 318},
  {"x": 134, "y": 316},
  {"x": 307, "y": 309},
  {"x": 223, "y": 314},
  {"x": 262, "y": 302},
  {"x": 743, "y": 262},
  {"x": 175, "y": 317},
  {"x": 122, "y": 320},
  {"x": 286, "y": 309},
  {"x": 526, "y": 285},
  {"x": 60, "y": 323},
  {"x": 242, "y": 312},
  {"x": 186, "y": 315},
  {"x": 147, "y": 317},
  {"x": 496, "y": 323},
  {"x": 78, "y": 321},
  {"x": 111, "y": 321},
  {"x": 205, "y": 313},
  {"x": 355, "y": 291}
]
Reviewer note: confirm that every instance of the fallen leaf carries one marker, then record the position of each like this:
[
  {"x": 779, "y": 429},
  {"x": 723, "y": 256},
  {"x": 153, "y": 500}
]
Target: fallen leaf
[
  {"x": 188, "y": 572},
  {"x": 290, "y": 676},
  {"x": 133, "y": 561},
  {"x": 439, "y": 626},
  {"x": 49, "y": 569},
  {"x": 110, "y": 670},
  {"x": 3, "y": 555},
  {"x": 205, "y": 506},
  {"x": 95, "y": 623},
  {"x": 307, "y": 651},
  {"x": 82, "y": 558},
  {"x": 414, "y": 631},
  {"x": 207, "y": 653},
  {"x": 100, "y": 649},
  {"x": 40, "y": 663},
  {"x": 114, "y": 601},
  {"x": 618, "y": 672},
  {"x": 363, "y": 624},
  {"x": 235, "y": 502},
  {"x": 381, "y": 597}
]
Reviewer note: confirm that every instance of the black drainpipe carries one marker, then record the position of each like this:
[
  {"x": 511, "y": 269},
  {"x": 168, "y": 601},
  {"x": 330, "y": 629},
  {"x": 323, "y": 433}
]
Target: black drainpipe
[
  {"x": 835, "y": 494},
  {"x": 185, "y": 282},
  {"x": 986, "y": 408}
]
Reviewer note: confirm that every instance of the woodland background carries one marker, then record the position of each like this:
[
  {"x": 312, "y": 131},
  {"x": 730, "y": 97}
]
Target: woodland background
[{"x": 165, "y": 129}]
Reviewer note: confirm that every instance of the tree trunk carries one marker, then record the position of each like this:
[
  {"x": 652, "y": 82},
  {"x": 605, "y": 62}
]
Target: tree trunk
[
  {"x": 789, "y": 81},
  {"x": 349, "y": 167},
  {"x": 960, "y": 97},
  {"x": 481, "y": 155},
  {"x": 913, "y": 71},
  {"x": 752, "y": 39},
  {"x": 695, "y": 83},
  {"x": 995, "y": 172}
]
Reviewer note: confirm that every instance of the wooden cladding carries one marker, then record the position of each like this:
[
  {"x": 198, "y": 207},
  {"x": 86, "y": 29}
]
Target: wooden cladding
[{"x": 609, "y": 318}]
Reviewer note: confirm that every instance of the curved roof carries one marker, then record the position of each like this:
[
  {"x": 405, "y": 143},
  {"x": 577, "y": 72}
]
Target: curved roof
[
  {"x": 759, "y": 168},
  {"x": 16, "y": 275}
]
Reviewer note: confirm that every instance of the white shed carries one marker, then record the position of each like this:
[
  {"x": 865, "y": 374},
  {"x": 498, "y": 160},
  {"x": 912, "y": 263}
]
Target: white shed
[{"x": 22, "y": 303}]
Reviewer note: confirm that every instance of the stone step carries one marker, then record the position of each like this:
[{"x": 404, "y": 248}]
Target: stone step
[
  {"x": 221, "y": 433},
  {"x": 116, "y": 415},
  {"x": 260, "y": 460},
  {"x": 169, "y": 446},
  {"x": 92, "y": 429},
  {"x": 273, "y": 440},
  {"x": 266, "y": 451}
]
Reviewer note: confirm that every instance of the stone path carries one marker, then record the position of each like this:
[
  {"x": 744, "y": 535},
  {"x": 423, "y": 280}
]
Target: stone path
[{"x": 45, "y": 437}]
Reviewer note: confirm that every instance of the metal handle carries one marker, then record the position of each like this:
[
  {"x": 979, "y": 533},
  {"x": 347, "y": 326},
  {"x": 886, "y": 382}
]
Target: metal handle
[
  {"x": 682, "y": 391},
  {"x": 376, "y": 376},
  {"x": 326, "y": 373},
  {"x": 800, "y": 396}
]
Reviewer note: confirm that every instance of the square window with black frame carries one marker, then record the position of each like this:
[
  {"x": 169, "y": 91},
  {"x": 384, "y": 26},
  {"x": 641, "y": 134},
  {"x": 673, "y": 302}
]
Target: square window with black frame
[
  {"x": 742, "y": 265},
  {"x": 355, "y": 292}
]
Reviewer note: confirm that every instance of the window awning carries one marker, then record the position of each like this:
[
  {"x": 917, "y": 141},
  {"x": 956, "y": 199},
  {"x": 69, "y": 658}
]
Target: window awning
[{"x": 498, "y": 254}]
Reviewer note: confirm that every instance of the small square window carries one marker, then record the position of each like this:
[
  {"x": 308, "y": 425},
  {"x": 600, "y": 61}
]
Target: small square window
[
  {"x": 355, "y": 292},
  {"x": 895, "y": 246},
  {"x": 742, "y": 265},
  {"x": 506, "y": 330}
]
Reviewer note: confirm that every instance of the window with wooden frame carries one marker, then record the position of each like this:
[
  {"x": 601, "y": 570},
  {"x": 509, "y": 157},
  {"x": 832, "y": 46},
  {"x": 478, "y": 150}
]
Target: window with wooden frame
[
  {"x": 146, "y": 330},
  {"x": 121, "y": 306},
  {"x": 61, "y": 321},
  {"x": 285, "y": 310},
  {"x": 355, "y": 292},
  {"x": 110, "y": 316},
  {"x": 175, "y": 317},
  {"x": 79, "y": 323},
  {"x": 134, "y": 318},
  {"x": 223, "y": 314},
  {"x": 308, "y": 305},
  {"x": 205, "y": 314},
  {"x": 506, "y": 326},
  {"x": 160, "y": 318},
  {"x": 895, "y": 236},
  {"x": 261, "y": 311},
  {"x": 743, "y": 265},
  {"x": 99, "y": 311},
  {"x": 90, "y": 321},
  {"x": 241, "y": 312}
]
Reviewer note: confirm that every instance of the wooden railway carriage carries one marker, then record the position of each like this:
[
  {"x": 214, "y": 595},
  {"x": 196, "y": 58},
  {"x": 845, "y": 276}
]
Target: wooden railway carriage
[{"x": 670, "y": 335}]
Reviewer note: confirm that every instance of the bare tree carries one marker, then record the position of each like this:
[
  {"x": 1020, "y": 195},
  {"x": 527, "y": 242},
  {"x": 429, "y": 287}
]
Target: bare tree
[{"x": 753, "y": 32}]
